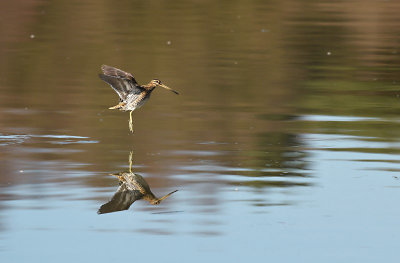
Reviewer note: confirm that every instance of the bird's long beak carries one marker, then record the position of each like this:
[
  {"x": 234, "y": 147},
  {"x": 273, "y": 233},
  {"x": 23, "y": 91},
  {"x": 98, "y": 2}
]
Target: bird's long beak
[
  {"x": 118, "y": 175},
  {"x": 168, "y": 88},
  {"x": 165, "y": 196}
]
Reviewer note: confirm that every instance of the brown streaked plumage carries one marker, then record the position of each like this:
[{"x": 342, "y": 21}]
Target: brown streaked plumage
[
  {"x": 131, "y": 95},
  {"x": 132, "y": 187}
]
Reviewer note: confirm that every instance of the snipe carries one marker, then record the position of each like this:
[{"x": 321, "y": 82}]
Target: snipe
[
  {"x": 131, "y": 95},
  {"x": 132, "y": 187}
]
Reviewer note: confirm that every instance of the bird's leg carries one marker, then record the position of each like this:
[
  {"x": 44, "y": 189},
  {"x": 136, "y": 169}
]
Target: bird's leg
[
  {"x": 130, "y": 161},
  {"x": 130, "y": 122}
]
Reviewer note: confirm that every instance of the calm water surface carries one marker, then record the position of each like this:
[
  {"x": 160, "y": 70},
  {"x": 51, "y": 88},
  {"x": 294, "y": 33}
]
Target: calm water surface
[{"x": 284, "y": 143}]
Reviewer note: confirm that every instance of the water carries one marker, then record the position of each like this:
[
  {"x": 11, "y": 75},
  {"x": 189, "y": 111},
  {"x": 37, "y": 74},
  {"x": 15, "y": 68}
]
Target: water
[{"x": 283, "y": 143}]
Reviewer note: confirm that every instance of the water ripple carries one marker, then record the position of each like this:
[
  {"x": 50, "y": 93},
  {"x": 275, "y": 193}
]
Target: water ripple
[{"x": 10, "y": 139}]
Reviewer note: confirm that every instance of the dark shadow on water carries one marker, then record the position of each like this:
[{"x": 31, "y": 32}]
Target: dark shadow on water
[
  {"x": 132, "y": 187},
  {"x": 167, "y": 212}
]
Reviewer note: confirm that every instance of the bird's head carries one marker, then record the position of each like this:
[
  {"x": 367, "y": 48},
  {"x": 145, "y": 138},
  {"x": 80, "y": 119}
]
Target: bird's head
[
  {"x": 157, "y": 83},
  {"x": 156, "y": 202}
]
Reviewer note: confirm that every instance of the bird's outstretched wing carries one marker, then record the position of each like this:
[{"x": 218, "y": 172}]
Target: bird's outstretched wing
[
  {"x": 122, "y": 200},
  {"x": 122, "y": 82}
]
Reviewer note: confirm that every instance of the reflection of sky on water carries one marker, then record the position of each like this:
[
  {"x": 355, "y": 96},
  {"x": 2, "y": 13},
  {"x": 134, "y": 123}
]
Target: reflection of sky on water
[
  {"x": 329, "y": 204},
  {"x": 335, "y": 118},
  {"x": 348, "y": 142},
  {"x": 7, "y": 139}
]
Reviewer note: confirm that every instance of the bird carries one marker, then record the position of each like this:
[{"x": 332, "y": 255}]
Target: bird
[
  {"x": 132, "y": 187},
  {"x": 131, "y": 95}
]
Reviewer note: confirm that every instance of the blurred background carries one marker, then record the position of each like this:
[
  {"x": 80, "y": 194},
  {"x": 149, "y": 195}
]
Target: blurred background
[{"x": 283, "y": 142}]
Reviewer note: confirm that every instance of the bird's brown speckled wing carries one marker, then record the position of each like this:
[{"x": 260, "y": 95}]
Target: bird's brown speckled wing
[
  {"x": 122, "y": 200},
  {"x": 122, "y": 82},
  {"x": 114, "y": 72}
]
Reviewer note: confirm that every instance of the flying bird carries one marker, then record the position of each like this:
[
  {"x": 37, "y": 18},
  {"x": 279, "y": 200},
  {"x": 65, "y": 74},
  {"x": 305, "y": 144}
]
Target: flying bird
[{"x": 131, "y": 95}]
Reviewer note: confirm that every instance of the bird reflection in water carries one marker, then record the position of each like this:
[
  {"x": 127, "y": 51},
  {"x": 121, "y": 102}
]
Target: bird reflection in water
[{"x": 132, "y": 187}]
